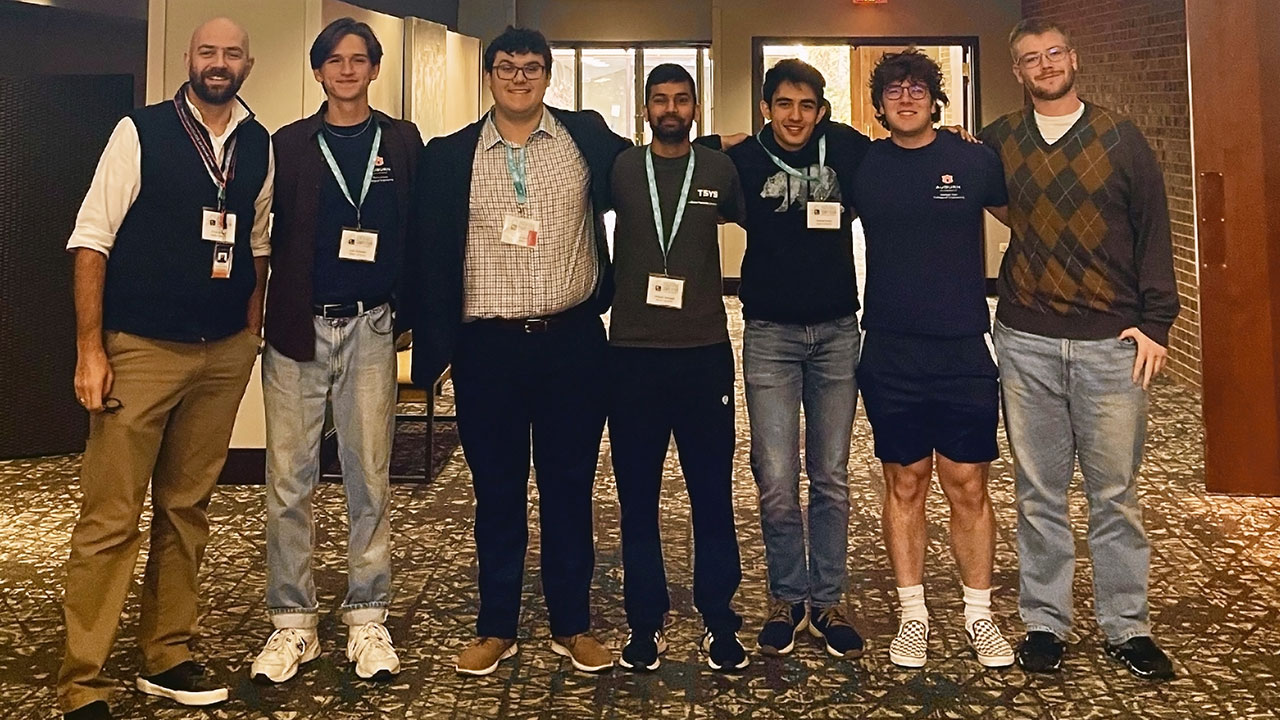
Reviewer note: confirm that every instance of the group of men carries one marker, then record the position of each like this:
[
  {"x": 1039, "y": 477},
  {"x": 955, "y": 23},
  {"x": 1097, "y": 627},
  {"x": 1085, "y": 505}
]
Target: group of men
[{"x": 490, "y": 245}]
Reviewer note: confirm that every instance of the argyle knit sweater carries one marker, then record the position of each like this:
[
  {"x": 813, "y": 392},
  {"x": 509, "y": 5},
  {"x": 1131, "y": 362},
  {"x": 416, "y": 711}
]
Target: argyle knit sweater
[{"x": 1090, "y": 253}]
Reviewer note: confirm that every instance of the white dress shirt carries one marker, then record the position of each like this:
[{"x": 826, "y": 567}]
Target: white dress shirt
[{"x": 118, "y": 180}]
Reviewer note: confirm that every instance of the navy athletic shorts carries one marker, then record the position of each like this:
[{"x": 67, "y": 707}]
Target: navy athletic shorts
[{"x": 924, "y": 393}]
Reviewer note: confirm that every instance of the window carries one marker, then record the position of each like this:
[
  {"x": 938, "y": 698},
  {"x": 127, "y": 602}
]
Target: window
[
  {"x": 847, "y": 64},
  {"x": 610, "y": 80}
]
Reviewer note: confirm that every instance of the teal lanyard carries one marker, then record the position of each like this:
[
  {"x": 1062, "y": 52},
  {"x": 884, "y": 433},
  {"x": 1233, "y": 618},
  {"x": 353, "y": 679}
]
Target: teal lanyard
[
  {"x": 368, "y": 171},
  {"x": 822, "y": 159},
  {"x": 516, "y": 159},
  {"x": 665, "y": 240}
]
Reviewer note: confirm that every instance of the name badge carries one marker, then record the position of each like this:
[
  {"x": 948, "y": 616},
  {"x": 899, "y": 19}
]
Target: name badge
[
  {"x": 222, "y": 256},
  {"x": 823, "y": 215},
  {"x": 359, "y": 245},
  {"x": 520, "y": 231},
  {"x": 212, "y": 228},
  {"x": 665, "y": 291}
]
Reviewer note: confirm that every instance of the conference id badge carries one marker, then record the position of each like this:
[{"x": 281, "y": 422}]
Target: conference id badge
[
  {"x": 222, "y": 255},
  {"x": 520, "y": 231},
  {"x": 665, "y": 291},
  {"x": 823, "y": 215},
  {"x": 358, "y": 244},
  {"x": 212, "y": 228}
]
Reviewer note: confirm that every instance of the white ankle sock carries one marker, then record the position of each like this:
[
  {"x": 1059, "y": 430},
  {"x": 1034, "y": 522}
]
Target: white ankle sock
[
  {"x": 911, "y": 603},
  {"x": 977, "y": 605}
]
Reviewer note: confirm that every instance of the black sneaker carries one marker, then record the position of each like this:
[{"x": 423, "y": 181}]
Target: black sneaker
[
  {"x": 724, "y": 652},
  {"x": 1143, "y": 658},
  {"x": 96, "y": 710},
  {"x": 1041, "y": 652},
  {"x": 642, "y": 650},
  {"x": 832, "y": 625},
  {"x": 784, "y": 623},
  {"x": 185, "y": 684}
]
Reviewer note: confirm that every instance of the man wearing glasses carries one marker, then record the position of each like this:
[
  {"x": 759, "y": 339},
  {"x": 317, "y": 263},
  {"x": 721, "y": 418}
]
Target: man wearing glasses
[
  {"x": 927, "y": 377},
  {"x": 512, "y": 267},
  {"x": 171, "y": 254},
  {"x": 1087, "y": 297}
]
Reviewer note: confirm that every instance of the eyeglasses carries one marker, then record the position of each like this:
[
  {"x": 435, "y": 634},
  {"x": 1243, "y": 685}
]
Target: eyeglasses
[
  {"x": 111, "y": 406},
  {"x": 507, "y": 71},
  {"x": 1055, "y": 55},
  {"x": 917, "y": 92}
]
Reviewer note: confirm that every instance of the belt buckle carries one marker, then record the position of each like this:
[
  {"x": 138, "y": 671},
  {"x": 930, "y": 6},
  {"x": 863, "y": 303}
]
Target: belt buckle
[
  {"x": 536, "y": 325},
  {"x": 324, "y": 309}
]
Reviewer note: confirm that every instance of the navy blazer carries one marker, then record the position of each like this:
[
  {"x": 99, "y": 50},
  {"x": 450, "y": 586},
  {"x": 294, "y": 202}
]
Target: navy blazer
[{"x": 434, "y": 250}]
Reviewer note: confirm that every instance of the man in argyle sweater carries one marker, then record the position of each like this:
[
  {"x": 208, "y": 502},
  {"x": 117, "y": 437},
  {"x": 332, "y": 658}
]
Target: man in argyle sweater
[{"x": 1087, "y": 297}]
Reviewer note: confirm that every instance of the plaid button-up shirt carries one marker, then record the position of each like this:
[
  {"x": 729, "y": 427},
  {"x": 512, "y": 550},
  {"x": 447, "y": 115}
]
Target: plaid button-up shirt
[{"x": 559, "y": 272}]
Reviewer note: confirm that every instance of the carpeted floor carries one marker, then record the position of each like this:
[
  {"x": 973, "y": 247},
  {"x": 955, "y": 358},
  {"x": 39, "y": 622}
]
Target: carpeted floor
[{"x": 1215, "y": 594}]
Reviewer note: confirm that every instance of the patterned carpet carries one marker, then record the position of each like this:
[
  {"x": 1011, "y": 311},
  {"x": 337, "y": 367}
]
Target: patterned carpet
[{"x": 1216, "y": 563}]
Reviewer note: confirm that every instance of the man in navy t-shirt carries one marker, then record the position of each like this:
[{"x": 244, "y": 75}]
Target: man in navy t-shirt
[{"x": 928, "y": 381}]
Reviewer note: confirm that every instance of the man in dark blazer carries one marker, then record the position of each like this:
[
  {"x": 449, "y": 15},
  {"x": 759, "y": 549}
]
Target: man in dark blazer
[
  {"x": 511, "y": 272},
  {"x": 346, "y": 176}
]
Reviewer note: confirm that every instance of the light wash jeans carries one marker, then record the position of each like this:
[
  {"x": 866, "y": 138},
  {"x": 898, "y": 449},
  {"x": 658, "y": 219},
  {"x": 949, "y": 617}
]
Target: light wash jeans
[
  {"x": 1063, "y": 400},
  {"x": 354, "y": 369},
  {"x": 784, "y": 366}
]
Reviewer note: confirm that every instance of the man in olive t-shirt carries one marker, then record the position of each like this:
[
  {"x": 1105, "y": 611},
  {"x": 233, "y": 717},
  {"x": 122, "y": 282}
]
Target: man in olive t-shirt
[{"x": 672, "y": 369}]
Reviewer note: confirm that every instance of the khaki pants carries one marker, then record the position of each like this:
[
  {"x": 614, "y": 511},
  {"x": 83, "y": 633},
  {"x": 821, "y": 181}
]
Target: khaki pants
[{"x": 179, "y": 403}]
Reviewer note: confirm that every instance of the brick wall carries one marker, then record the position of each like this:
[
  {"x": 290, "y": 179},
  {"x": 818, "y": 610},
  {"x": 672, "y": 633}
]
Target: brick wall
[{"x": 1133, "y": 59}]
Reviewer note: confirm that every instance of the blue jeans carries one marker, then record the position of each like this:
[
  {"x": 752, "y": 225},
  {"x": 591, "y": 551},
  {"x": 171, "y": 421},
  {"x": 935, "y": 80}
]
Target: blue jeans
[
  {"x": 355, "y": 369},
  {"x": 784, "y": 366},
  {"x": 1063, "y": 400}
]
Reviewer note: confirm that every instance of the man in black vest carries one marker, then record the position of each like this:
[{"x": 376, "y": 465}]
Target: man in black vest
[
  {"x": 343, "y": 180},
  {"x": 171, "y": 254},
  {"x": 514, "y": 272}
]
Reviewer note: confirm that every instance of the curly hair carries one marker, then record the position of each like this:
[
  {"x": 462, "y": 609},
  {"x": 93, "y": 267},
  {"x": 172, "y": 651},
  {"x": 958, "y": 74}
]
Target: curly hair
[{"x": 910, "y": 64}]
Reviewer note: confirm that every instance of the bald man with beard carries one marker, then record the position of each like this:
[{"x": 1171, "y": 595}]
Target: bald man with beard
[{"x": 170, "y": 251}]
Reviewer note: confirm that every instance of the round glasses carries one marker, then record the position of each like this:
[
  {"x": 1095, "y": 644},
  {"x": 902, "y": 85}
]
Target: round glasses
[{"x": 917, "y": 92}]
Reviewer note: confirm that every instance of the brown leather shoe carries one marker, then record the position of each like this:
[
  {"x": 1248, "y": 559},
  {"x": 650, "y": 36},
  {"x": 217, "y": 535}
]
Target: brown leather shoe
[
  {"x": 483, "y": 655},
  {"x": 586, "y": 653}
]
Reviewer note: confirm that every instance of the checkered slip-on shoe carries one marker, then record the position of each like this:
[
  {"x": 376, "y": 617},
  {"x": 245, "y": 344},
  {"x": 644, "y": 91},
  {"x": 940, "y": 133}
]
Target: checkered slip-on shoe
[
  {"x": 911, "y": 647},
  {"x": 989, "y": 645}
]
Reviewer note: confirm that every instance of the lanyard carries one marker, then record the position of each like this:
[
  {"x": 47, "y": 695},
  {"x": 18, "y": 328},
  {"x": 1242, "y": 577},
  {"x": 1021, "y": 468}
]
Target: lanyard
[
  {"x": 516, "y": 158},
  {"x": 664, "y": 240},
  {"x": 221, "y": 174},
  {"x": 342, "y": 179},
  {"x": 822, "y": 159}
]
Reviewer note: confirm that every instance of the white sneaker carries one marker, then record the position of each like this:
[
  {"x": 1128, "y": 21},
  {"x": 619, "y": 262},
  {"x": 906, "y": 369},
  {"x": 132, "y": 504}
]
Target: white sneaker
[
  {"x": 989, "y": 645},
  {"x": 286, "y": 650},
  {"x": 369, "y": 647},
  {"x": 911, "y": 647}
]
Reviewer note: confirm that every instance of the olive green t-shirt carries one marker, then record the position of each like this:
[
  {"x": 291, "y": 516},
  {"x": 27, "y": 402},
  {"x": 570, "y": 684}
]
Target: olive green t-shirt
[{"x": 694, "y": 255}]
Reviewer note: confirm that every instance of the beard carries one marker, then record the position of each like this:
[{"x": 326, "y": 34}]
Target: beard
[
  {"x": 671, "y": 132},
  {"x": 1041, "y": 94},
  {"x": 208, "y": 94}
]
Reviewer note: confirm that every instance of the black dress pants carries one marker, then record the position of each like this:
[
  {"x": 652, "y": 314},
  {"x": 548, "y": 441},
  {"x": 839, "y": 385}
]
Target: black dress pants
[
  {"x": 689, "y": 392},
  {"x": 541, "y": 392}
]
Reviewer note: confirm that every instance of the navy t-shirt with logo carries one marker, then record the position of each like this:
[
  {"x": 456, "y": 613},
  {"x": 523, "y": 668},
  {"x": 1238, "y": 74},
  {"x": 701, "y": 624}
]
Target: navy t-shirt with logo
[
  {"x": 339, "y": 281},
  {"x": 921, "y": 211}
]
